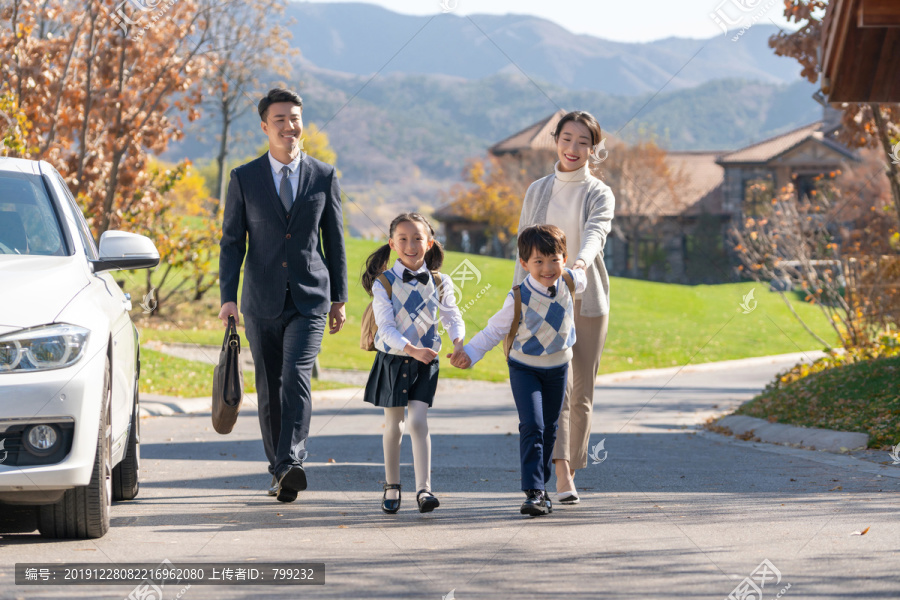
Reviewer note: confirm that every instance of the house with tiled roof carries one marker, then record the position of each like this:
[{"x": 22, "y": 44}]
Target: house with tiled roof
[
  {"x": 534, "y": 138},
  {"x": 797, "y": 157},
  {"x": 689, "y": 242},
  {"x": 529, "y": 151}
]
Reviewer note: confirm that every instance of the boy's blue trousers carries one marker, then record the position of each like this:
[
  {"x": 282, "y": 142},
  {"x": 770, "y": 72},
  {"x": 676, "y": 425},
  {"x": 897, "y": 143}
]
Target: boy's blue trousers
[{"x": 539, "y": 395}]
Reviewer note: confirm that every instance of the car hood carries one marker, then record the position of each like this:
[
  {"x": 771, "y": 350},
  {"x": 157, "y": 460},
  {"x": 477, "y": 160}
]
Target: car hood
[{"x": 34, "y": 289}]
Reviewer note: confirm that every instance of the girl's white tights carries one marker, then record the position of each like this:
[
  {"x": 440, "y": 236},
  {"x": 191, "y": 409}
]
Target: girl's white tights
[{"x": 421, "y": 444}]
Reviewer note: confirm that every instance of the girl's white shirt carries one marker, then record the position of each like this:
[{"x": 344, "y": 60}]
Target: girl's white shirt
[{"x": 383, "y": 310}]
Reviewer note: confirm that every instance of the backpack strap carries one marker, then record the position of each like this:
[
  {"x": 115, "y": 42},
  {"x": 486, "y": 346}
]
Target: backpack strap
[
  {"x": 569, "y": 281},
  {"x": 438, "y": 280},
  {"x": 387, "y": 284},
  {"x": 517, "y": 314}
]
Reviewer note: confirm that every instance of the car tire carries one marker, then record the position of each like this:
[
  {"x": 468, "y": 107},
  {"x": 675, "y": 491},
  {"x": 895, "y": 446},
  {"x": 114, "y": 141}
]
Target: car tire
[
  {"x": 17, "y": 519},
  {"x": 83, "y": 512},
  {"x": 127, "y": 474}
]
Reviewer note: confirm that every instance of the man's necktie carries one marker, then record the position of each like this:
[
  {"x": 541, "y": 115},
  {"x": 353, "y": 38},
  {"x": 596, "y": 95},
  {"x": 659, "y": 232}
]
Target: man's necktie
[
  {"x": 409, "y": 276},
  {"x": 552, "y": 291},
  {"x": 284, "y": 190}
]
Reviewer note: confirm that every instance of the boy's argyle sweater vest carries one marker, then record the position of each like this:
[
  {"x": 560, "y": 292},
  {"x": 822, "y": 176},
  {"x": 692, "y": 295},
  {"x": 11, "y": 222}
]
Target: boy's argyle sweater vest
[{"x": 548, "y": 324}]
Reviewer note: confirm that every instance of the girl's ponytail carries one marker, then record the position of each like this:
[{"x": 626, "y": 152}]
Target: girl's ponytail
[
  {"x": 376, "y": 264},
  {"x": 434, "y": 258}
]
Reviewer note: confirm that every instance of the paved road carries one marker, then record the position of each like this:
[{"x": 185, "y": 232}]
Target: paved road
[{"x": 671, "y": 513}]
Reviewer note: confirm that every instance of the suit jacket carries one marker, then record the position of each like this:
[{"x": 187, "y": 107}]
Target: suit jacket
[{"x": 282, "y": 248}]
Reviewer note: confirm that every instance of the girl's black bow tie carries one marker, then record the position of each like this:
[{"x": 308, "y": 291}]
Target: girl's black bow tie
[{"x": 409, "y": 276}]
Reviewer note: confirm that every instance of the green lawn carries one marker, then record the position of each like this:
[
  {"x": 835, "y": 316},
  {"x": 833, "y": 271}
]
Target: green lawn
[
  {"x": 172, "y": 376},
  {"x": 651, "y": 324},
  {"x": 862, "y": 397}
]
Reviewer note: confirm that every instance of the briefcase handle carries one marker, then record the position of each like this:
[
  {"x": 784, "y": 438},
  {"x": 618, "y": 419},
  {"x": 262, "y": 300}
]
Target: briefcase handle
[{"x": 231, "y": 335}]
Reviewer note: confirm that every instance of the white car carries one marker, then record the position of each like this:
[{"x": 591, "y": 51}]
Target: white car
[{"x": 69, "y": 357}]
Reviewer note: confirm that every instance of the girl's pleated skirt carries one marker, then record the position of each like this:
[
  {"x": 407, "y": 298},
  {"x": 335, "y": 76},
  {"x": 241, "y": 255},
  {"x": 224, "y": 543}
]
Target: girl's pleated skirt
[{"x": 396, "y": 379}]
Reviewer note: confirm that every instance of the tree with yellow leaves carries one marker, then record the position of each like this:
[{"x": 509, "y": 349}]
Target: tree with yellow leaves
[
  {"x": 491, "y": 198},
  {"x": 185, "y": 233}
]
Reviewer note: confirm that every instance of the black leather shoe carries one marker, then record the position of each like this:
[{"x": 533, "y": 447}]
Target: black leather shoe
[
  {"x": 292, "y": 480},
  {"x": 427, "y": 502},
  {"x": 273, "y": 490},
  {"x": 547, "y": 500},
  {"x": 536, "y": 504},
  {"x": 391, "y": 506}
]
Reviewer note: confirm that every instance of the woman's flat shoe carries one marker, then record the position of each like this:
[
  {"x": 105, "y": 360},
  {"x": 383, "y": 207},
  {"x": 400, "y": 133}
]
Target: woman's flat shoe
[
  {"x": 391, "y": 506},
  {"x": 427, "y": 501},
  {"x": 568, "y": 497}
]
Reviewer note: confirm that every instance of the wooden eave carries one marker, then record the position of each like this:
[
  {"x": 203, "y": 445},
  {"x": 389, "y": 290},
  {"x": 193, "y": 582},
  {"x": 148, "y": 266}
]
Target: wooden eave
[{"x": 861, "y": 51}]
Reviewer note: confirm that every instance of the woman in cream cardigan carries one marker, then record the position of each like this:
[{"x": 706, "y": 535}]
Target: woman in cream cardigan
[{"x": 582, "y": 206}]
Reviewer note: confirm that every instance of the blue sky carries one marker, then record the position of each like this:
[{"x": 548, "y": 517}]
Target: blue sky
[{"x": 621, "y": 20}]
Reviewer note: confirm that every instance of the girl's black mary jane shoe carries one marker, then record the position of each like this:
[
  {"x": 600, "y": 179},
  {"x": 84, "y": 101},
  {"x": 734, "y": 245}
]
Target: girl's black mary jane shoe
[{"x": 391, "y": 506}]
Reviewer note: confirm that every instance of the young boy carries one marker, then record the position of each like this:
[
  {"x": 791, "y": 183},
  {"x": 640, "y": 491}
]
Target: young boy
[{"x": 539, "y": 354}]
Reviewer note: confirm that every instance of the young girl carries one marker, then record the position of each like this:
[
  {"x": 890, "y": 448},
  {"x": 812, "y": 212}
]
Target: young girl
[{"x": 405, "y": 372}]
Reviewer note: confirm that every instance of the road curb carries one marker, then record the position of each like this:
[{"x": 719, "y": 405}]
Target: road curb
[
  {"x": 712, "y": 366},
  {"x": 155, "y": 405},
  {"x": 879, "y": 469},
  {"x": 809, "y": 438}
]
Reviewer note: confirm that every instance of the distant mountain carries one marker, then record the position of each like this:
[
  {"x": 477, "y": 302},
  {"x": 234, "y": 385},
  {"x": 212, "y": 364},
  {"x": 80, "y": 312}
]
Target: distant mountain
[
  {"x": 363, "y": 39},
  {"x": 401, "y": 127},
  {"x": 403, "y": 136}
]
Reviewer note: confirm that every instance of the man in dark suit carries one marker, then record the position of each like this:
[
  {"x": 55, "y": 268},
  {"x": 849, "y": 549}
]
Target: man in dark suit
[{"x": 289, "y": 206}]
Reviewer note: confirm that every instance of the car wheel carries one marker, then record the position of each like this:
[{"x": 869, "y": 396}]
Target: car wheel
[
  {"x": 83, "y": 512},
  {"x": 127, "y": 474}
]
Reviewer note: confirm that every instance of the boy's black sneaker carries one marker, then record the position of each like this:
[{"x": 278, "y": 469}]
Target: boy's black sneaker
[{"x": 536, "y": 504}]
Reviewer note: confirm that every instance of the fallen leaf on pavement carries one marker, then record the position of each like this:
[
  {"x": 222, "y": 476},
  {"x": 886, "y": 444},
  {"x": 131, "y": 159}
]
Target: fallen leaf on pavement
[{"x": 863, "y": 532}]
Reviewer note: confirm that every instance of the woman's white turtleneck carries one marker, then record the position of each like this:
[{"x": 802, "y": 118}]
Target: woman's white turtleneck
[{"x": 566, "y": 207}]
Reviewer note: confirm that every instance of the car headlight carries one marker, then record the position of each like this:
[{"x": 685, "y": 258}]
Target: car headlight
[{"x": 42, "y": 348}]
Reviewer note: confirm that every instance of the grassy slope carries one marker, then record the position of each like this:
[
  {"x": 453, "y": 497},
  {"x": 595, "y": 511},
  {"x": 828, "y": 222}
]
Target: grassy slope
[
  {"x": 651, "y": 324},
  {"x": 862, "y": 397},
  {"x": 172, "y": 376}
]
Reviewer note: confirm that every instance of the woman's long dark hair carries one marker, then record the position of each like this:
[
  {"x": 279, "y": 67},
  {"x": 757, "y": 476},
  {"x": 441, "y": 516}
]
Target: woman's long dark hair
[{"x": 377, "y": 263}]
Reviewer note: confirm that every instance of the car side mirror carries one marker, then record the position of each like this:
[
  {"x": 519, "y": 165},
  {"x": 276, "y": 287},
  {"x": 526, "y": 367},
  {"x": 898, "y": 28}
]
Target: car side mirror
[{"x": 120, "y": 250}]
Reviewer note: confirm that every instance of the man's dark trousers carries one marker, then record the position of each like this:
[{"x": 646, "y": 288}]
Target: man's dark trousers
[
  {"x": 284, "y": 350},
  {"x": 539, "y": 395}
]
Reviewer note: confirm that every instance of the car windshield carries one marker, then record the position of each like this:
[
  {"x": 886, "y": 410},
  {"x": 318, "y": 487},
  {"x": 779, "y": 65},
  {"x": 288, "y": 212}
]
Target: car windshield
[{"x": 28, "y": 223}]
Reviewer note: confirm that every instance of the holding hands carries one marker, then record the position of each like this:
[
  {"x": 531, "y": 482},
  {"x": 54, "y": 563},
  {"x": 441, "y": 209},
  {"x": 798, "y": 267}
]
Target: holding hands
[{"x": 459, "y": 358}]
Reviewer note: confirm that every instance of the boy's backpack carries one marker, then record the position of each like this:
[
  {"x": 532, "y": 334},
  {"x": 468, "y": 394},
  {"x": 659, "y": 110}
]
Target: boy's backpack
[
  {"x": 517, "y": 315},
  {"x": 369, "y": 326}
]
